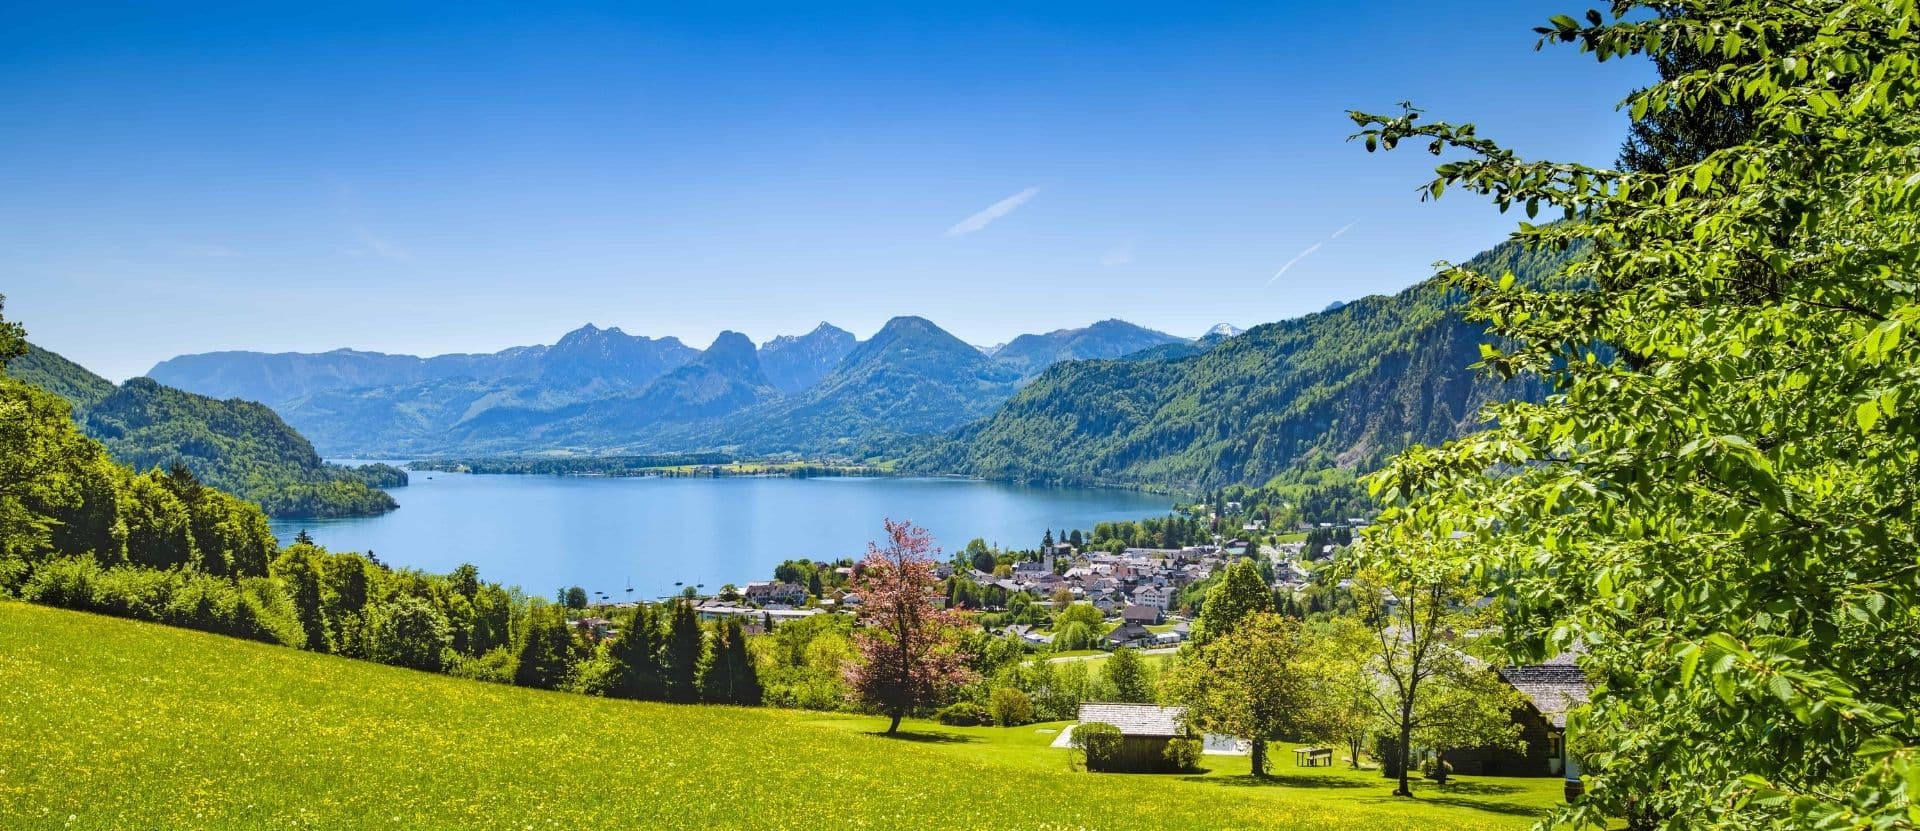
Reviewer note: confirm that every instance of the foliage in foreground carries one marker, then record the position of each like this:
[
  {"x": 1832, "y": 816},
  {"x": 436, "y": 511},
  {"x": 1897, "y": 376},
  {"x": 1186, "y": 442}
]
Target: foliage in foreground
[{"x": 1718, "y": 503}]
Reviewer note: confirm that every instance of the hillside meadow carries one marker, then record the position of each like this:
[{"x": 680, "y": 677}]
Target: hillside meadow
[{"x": 109, "y": 723}]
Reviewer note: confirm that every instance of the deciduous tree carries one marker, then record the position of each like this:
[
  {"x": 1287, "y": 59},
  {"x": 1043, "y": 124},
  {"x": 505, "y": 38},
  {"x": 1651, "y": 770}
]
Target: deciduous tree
[
  {"x": 908, "y": 648},
  {"x": 1718, "y": 500}
]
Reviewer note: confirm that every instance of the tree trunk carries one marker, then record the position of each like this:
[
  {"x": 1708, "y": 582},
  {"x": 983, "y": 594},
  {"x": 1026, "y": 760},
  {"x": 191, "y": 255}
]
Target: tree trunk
[
  {"x": 895, "y": 726},
  {"x": 1353, "y": 751},
  {"x": 1259, "y": 756},
  {"x": 1405, "y": 750},
  {"x": 1439, "y": 767}
]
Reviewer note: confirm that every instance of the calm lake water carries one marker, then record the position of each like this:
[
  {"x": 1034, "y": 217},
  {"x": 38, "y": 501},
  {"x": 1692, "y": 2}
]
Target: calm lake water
[{"x": 544, "y": 532}]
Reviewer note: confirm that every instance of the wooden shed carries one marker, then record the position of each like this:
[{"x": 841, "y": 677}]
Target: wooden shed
[{"x": 1145, "y": 730}]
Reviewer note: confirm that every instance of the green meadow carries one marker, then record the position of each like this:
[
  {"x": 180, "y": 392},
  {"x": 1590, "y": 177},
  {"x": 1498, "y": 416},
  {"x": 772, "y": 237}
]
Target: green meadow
[{"x": 109, "y": 723}]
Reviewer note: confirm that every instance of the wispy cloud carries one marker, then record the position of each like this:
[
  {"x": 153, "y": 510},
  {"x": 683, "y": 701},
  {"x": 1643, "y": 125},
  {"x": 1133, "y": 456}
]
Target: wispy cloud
[
  {"x": 370, "y": 243},
  {"x": 991, "y": 213},
  {"x": 215, "y": 252},
  {"x": 1309, "y": 250},
  {"x": 1118, "y": 256}
]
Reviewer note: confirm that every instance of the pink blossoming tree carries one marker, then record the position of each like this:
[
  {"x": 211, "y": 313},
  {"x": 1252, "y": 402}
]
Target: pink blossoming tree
[{"x": 909, "y": 651}]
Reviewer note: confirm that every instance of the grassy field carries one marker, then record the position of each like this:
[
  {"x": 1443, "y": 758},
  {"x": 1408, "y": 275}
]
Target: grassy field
[{"x": 106, "y": 723}]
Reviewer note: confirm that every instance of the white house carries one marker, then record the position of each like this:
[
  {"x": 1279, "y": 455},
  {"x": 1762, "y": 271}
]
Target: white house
[{"x": 1153, "y": 596}]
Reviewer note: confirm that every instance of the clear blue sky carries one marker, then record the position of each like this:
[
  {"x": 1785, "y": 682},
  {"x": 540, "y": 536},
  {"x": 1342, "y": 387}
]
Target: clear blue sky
[{"x": 464, "y": 177}]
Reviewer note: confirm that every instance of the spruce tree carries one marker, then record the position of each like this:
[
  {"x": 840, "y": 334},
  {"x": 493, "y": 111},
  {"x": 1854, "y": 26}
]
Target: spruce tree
[
  {"x": 684, "y": 648},
  {"x": 639, "y": 670}
]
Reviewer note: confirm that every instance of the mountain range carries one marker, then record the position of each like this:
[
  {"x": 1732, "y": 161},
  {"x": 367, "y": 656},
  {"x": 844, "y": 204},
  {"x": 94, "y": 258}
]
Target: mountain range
[
  {"x": 602, "y": 389},
  {"x": 1110, "y": 403}
]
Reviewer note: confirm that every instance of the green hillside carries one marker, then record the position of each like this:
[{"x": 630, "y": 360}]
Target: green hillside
[
  {"x": 111, "y": 723},
  {"x": 238, "y": 446},
  {"x": 1345, "y": 388}
]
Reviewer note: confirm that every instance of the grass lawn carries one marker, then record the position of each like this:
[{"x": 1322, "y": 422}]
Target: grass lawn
[{"x": 107, "y": 723}]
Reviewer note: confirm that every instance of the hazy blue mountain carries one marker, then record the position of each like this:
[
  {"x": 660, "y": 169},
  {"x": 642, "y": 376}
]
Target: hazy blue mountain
[
  {"x": 795, "y": 362},
  {"x": 911, "y": 377},
  {"x": 584, "y": 363},
  {"x": 1031, "y": 354},
  {"x": 724, "y": 379}
]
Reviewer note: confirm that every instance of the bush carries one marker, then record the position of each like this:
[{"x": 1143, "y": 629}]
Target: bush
[
  {"x": 495, "y": 666},
  {"x": 66, "y": 582},
  {"x": 1075, "y": 635},
  {"x": 410, "y": 632},
  {"x": 963, "y": 714},
  {"x": 13, "y": 575},
  {"x": 1010, "y": 707},
  {"x": 1183, "y": 755},
  {"x": 1100, "y": 742}
]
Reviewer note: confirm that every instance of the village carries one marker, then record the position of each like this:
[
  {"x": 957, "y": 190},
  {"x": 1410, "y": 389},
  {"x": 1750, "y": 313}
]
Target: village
[{"x": 1145, "y": 600}]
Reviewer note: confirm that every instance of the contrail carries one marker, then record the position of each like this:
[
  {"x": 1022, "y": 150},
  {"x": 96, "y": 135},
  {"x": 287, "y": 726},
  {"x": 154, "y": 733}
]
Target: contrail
[{"x": 1310, "y": 249}]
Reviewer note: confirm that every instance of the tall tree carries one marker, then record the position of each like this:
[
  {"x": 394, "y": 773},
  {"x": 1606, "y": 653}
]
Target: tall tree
[
  {"x": 1127, "y": 672},
  {"x": 638, "y": 653},
  {"x": 298, "y": 569},
  {"x": 547, "y": 653},
  {"x": 1240, "y": 594},
  {"x": 683, "y": 652},
  {"x": 1246, "y": 682},
  {"x": 908, "y": 648},
  {"x": 1430, "y": 693},
  {"x": 1718, "y": 502}
]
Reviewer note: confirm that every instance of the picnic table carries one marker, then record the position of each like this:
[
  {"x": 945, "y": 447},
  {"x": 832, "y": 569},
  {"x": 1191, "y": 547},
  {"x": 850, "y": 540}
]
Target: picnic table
[{"x": 1308, "y": 757}]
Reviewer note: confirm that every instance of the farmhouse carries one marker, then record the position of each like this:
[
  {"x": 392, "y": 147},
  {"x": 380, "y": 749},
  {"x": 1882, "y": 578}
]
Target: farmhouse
[
  {"x": 1129, "y": 634},
  {"x": 1145, "y": 730},
  {"x": 1551, "y": 689}
]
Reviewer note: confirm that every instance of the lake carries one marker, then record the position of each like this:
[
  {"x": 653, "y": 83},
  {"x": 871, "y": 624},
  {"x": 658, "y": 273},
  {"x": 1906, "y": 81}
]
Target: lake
[{"x": 545, "y": 532}]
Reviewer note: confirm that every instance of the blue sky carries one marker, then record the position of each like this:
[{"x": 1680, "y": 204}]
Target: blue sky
[{"x": 466, "y": 178}]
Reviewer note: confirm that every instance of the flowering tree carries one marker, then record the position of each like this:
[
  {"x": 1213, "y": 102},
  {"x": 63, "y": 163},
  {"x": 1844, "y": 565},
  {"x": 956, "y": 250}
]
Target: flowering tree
[{"x": 907, "y": 650}]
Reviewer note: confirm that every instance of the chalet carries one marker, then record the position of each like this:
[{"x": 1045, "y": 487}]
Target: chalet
[
  {"x": 1129, "y": 634},
  {"x": 1145, "y": 730},
  {"x": 789, "y": 594},
  {"x": 1551, "y": 689},
  {"x": 1141, "y": 614}
]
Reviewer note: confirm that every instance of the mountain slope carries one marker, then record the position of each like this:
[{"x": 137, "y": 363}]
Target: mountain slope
[
  {"x": 238, "y": 446},
  {"x": 795, "y": 362},
  {"x": 1342, "y": 388},
  {"x": 1031, "y": 354},
  {"x": 911, "y": 377}
]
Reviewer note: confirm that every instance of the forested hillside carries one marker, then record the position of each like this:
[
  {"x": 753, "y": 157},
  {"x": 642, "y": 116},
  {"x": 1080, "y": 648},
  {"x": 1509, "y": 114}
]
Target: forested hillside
[
  {"x": 1342, "y": 388},
  {"x": 238, "y": 446}
]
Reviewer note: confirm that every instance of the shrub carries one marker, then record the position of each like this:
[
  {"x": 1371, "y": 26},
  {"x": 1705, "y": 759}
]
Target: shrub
[
  {"x": 1100, "y": 742},
  {"x": 1010, "y": 707},
  {"x": 1075, "y": 635},
  {"x": 13, "y": 575},
  {"x": 1183, "y": 754},
  {"x": 410, "y": 632},
  {"x": 66, "y": 582},
  {"x": 495, "y": 666},
  {"x": 963, "y": 714}
]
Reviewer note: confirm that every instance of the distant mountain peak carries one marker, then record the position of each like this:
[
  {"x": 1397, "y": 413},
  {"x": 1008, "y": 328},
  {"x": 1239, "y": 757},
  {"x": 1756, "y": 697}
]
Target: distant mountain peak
[{"x": 1224, "y": 330}]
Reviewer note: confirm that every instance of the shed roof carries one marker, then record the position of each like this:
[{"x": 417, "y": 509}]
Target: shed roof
[
  {"x": 1137, "y": 719},
  {"x": 1552, "y": 688}
]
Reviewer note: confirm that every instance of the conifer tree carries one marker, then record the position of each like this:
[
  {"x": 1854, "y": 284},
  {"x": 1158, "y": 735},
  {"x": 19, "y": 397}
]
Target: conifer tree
[{"x": 685, "y": 647}]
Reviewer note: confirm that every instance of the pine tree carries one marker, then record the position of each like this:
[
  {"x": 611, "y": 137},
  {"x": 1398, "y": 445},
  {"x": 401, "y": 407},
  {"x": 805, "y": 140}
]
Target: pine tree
[
  {"x": 546, "y": 654},
  {"x": 685, "y": 647},
  {"x": 639, "y": 669}
]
